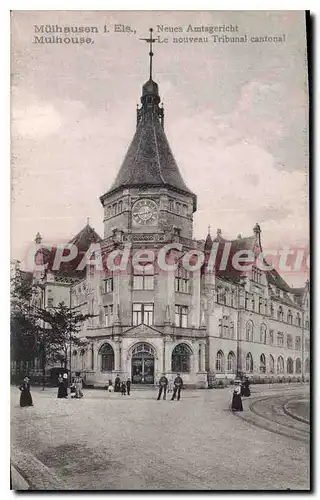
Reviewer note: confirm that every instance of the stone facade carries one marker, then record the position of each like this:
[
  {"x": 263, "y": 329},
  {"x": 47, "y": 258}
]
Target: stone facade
[{"x": 195, "y": 323}]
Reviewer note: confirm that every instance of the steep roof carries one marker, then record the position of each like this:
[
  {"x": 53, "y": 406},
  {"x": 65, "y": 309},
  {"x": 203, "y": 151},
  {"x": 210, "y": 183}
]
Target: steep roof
[
  {"x": 149, "y": 160},
  {"x": 85, "y": 238}
]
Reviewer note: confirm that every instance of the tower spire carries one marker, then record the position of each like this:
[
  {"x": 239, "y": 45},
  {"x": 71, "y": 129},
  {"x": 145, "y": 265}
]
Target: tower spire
[{"x": 150, "y": 40}]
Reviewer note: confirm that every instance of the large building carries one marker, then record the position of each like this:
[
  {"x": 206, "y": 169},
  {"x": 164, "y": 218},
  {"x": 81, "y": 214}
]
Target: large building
[{"x": 148, "y": 321}]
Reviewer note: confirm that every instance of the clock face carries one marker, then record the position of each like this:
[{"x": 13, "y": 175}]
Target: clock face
[{"x": 145, "y": 212}]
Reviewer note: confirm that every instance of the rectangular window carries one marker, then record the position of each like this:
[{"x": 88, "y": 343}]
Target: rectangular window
[
  {"x": 108, "y": 285},
  {"x": 247, "y": 301},
  {"x": 142, "y": 313},
  {"x": 181, "y": 281},
  {"x": 108, "y": 311},
  {"x": 143, "y": 279},
  {"x": 50, "y": 302},
  {"x": 181, "y": 316},
  {"x": 280, "y": 339}
]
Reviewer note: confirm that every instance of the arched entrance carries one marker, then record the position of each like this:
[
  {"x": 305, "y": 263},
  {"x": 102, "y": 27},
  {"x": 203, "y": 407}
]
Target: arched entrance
[{"x": 142, "y": 364}]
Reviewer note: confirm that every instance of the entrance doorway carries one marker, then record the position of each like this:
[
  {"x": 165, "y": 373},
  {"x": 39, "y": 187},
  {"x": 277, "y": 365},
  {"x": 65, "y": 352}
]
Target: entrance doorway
[{"x": 142, "y": 364}]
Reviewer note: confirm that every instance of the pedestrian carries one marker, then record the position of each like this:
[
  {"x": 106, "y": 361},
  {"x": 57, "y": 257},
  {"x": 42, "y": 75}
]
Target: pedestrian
[
  {"x": 245, "y": 388},
  {"x": 65, "y": 383},
  {"x": 25, "y": 396},
  {"x": 128, "y": 384},
  {"x": 79, "y": 385},
  {"x": 177, "y": 386},
  {"x": 61, "y": 387},
  {"x": 123, "y": 389},
  {"x": 73, "y": 390},
  {"x": 236, "y": 404},
  {"x": 163, "y": 384},
  {"x": 170, "y": 384},
  {"x": 117, "y": 384},
  {"x": 110, "y": 387}
]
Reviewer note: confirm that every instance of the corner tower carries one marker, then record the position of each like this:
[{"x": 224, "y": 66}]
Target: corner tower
[{"x": 149, "y": 195}]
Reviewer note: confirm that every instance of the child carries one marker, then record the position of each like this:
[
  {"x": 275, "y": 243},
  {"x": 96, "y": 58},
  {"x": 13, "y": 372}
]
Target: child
[
  {"x": 123, "y": 388},
  {"x": 73, "y": 390}
]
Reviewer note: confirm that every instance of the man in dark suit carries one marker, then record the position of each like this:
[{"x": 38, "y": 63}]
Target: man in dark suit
[
  {"x": 178, "y": 384},
  {"x": 163, "y": 384}
]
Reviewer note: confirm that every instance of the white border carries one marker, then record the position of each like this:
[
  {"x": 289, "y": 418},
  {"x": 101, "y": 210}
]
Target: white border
[{"x": 6, "y": 6}]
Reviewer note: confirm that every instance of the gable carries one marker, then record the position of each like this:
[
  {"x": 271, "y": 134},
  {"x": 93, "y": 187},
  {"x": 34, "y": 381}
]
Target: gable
[{"x": 142, "y": 331}]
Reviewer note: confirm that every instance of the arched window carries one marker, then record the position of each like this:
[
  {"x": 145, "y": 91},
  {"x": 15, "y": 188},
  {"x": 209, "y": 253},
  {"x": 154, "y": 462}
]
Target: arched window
[
  {"x": 83, "y": 359},
  {"x": 249, "y": 362},
  {"x": 307, "y": 366},
  {"x": 307, "y": 324},
  {"x": 120, "y": 207},
  {"x": 220, "y": 362},
  {"x": 280, "y": 314},
  {"x": 143, "y": 348},
  {"x": 289, "y": 341},
  {"x": 289, "y": 365},
  {"x": 107, "y": 358},
  {"x": 249, "y": 331},
  {"x": 74, "y": 353},
  {"x": 262, "y": 363},
  {"x": 271, "y": 364},
  {"x": 181, "y": 358},
  {"x": 298, "y": 343},
  {"x": 289, "y": 317},
  {"x": 280, "y": 365},
  {"x": 298, "y": 365},
  {"x": 298, "y": 319},
  {"x": 263, "y": 334},
  {"x": 231, "y": 362}
]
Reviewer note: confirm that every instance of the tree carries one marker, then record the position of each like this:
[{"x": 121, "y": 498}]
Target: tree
[
  {"x": 37, "y": 332},
  {"x": 24, "y": 327},
  {"x": 59, "y": 330}
]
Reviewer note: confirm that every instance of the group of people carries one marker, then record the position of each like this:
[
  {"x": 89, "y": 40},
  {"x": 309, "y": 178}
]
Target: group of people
[
  {"x": 242, "y": 388},
  {"x": 76, "y": 386},
  {"x": 123, "y": 387},
  {"x": 166, "y": 386}
]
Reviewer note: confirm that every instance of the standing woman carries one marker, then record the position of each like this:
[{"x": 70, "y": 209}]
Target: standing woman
[
  {"x": 61, "y": 387},
  {"x": 79, "y": 384},
  {"x": 25, "y": 396},
  {"x": 245, "y": 389},
  {"x": 236, "y": 404}
]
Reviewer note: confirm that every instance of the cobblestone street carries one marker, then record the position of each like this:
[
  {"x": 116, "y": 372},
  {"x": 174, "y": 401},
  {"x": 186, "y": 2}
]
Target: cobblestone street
[{"x": 109, "y": 441}]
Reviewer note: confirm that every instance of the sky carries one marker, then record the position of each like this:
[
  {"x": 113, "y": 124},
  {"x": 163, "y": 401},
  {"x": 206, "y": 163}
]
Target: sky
[{"x": 236, "y": 117}]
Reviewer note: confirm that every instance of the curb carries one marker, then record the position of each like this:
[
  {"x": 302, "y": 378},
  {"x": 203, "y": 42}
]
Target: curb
[
  {"x": 33, "y": 473},
  {"x": 295, "y": 415},
  {"x": 17, "y": 482}
]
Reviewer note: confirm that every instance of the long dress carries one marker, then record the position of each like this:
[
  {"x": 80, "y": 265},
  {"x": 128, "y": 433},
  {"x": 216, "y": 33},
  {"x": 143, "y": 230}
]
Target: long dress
[
  {"x": 78, "y": 384},
  {"x": 62, "y": 390},
  {"x": 236, "y": 404},
  {"x": 245, "y": 390},
  {"x": 117, "y": 385},
  {"x": 25, "y": 396}
]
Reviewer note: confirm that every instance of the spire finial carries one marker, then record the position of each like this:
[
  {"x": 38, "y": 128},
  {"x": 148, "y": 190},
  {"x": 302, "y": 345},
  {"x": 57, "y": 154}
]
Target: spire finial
[
  {"x": 209, "y": 229},
  {"x": 150, "y": 40},
  {"x": 219, "y": 232},
  {"x": 88, "y": 221}
]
